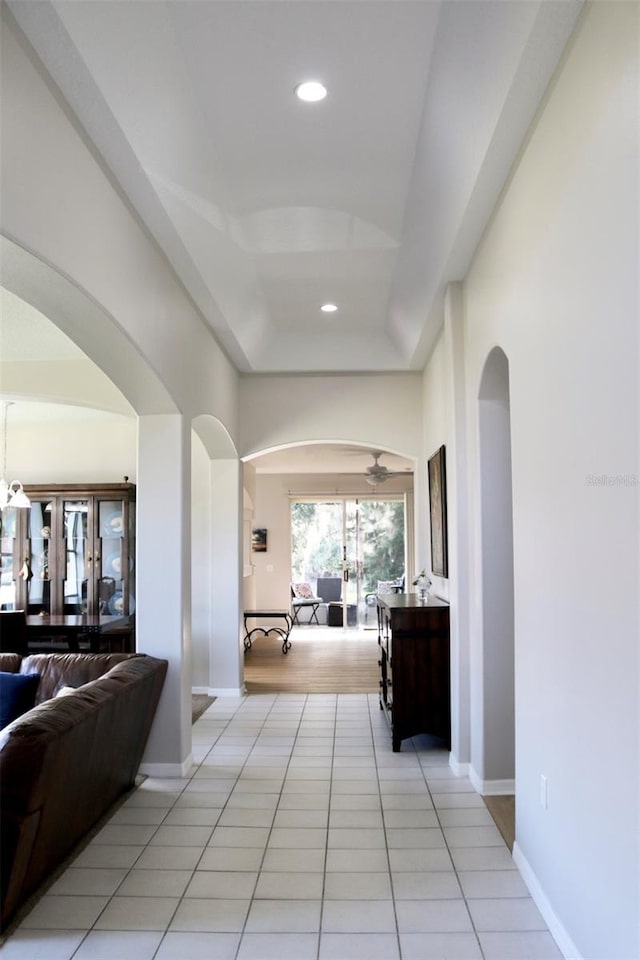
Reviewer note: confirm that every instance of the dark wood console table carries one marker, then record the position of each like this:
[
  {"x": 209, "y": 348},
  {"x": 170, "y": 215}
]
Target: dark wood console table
[{"x": 414, "y": 666}]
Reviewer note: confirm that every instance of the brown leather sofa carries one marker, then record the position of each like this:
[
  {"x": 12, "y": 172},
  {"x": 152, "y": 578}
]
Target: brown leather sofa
[{"x": 65, "y": 762}]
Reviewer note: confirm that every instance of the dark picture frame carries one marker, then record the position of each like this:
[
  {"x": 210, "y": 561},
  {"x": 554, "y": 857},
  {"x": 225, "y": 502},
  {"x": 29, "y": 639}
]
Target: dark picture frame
[
  {"x": 438, "y": 513},
  {"x": 259, "y": 540}
]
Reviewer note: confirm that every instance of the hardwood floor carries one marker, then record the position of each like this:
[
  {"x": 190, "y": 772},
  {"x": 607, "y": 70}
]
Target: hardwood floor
[
  {"x": 503, "y": 811},
  {"x": 199, "y": 703},
  {"x": 321, "y": 660}
]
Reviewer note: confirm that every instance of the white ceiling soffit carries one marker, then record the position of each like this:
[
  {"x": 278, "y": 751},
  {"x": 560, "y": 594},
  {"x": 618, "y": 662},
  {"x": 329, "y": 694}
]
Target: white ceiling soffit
[
  {"x": 373, "y": 199},
  {"x": 327, "y": 458}
]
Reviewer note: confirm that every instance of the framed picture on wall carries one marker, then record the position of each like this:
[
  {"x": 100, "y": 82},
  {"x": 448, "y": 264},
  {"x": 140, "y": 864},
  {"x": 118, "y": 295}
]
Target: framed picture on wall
[
  {"x": 438, "y": 513},
  {"x": 259, "y": 540}
]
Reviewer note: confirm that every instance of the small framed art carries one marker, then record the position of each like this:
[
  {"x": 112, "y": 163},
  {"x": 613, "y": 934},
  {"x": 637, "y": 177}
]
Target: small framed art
[{"x": 259, "y": 540}]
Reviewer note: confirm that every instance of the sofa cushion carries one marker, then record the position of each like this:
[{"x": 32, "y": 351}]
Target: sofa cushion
[
  {"x": 10, "y": 662},
  {"x": 17, "y": 695},
  {"x": 69, "y": 669}
]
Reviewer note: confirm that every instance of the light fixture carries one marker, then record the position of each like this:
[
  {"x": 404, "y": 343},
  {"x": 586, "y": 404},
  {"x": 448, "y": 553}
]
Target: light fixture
[
  {"x": 11, "y": 494},
  {"x": 328, "y": 308},
  {"x": 311, "y": 91}
]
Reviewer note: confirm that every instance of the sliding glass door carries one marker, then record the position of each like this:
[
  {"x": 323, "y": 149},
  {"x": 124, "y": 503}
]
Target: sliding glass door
[{"x": 348, "y": 545}]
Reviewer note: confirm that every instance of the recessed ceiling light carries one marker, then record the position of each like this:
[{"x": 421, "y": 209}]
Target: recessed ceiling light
[
  {"x": 328, "y": 308},
  {"x": 311, "y": 91}
]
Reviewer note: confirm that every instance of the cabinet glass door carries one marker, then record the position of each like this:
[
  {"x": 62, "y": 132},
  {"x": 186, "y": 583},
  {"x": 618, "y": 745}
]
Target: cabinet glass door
[
  {"x": 8, "y": 524},
  {"x": 35, "y": 568},
  {"x": 112, "y": 594},
  {"x": 77, "y": 556}
]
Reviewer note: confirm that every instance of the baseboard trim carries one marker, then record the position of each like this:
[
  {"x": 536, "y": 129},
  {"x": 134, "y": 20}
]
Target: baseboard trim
[
  {"x": 226, "y": 691},
  {"x": 460, "y": 769},
  {"x": 491, "y": 788},
  {"x": 558, "y": 932},
  {"x": 168, "y": 770},
  {"x": 203, "y": 691}
]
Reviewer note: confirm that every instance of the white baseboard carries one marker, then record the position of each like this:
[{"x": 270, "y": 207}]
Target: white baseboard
[
  {"x": 491, "y": 788},
  {"x": 226, "y": 691},
  {"x": 201, "y": 690},
  {"x": 460, "y": 769},
  {"x": 167, "y": 769},
  {"x": 556, "y": 928}
]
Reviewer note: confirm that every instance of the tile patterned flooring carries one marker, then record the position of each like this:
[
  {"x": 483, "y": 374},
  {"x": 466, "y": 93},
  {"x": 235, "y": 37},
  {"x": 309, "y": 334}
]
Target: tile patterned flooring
[{"x": 299, "y": 835}]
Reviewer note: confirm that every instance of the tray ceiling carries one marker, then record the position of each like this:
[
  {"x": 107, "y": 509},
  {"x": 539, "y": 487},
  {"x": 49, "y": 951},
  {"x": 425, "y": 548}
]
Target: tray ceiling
[{"x": 373, "y": 199}]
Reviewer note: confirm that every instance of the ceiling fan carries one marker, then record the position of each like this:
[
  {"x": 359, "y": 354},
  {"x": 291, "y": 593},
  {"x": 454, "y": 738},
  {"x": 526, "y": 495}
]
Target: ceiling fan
[{"x": 377, "y": 473}]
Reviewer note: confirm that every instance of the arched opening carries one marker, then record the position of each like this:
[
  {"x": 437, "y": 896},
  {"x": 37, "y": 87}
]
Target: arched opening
[
  {"x": 216, "y": 559},
  {"x": 316, "y": 507},
  {"x": 497, "y": 754},
  {"x": 108, "y": 369}
]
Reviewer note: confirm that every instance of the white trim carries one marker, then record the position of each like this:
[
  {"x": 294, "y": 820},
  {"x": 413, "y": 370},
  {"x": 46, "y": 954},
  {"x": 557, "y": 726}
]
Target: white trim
[
  {"x": 226, "y": 691},
  {"x": 460, "y": 769},
  {"x": 167, "y": 769},
  {"x": 491, "y": 788},
  {"x": 201, "y": 690},
  {"x": 556, "y": 928}
]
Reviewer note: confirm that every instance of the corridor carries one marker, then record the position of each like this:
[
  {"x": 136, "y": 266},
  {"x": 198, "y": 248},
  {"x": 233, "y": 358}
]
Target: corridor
[{"x": 299, "y": 835}]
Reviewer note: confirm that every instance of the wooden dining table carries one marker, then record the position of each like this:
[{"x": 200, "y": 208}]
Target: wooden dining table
[{"x": 73, "y": 627}]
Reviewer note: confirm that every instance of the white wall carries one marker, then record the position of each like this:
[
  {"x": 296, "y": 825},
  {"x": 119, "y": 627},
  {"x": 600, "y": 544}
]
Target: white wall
[
  {"x": 78, "y": 252},
  {"x": 92, "y": 450},
  {"x": 381, "y": 411},
  {"x": 494, "y": 759},
  {"x": 554, "y": 283},
  {"x": 59, "y": 204},
  {"x": 226, "y": 580},
  {"x": 200, "y": 559},
  {"x": 436, "y": 433}
]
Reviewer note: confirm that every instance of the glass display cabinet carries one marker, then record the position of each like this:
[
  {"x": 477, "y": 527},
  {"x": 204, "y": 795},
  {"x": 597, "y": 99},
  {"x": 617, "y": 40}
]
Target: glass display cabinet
[{"x": 72, "y": 551}]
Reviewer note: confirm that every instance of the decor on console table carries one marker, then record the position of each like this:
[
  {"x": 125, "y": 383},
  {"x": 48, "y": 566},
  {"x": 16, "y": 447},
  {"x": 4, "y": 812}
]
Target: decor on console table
[
  {"x": 438, "y": 513},
  {"x": 423, "y": 582}
]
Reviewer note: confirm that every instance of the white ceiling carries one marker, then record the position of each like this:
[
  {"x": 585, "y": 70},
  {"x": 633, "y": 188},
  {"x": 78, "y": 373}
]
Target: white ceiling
[{"x": 266, "y": 207}]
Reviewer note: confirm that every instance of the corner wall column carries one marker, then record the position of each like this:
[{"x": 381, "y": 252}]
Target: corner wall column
[
  {"x": 457, "y": 511},
  {"x": 162, "y": 582},
  {"x": 226, "y": 666}
]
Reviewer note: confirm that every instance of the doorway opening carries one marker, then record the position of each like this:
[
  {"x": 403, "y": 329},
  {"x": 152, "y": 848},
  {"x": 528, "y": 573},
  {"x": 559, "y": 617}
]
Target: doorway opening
[
  {"x": 496, "y": 764},
  {"x": 344, "y": 549}
]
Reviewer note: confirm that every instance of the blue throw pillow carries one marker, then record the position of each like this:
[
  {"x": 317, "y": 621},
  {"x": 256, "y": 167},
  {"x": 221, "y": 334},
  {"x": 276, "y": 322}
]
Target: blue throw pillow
[{"x": 17, "y": 695}]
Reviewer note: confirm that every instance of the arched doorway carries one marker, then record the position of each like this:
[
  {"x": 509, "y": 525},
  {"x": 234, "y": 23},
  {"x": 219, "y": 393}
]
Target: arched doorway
[
  {"x": 496, "y": 766},
  {"x": 159, "y": 446},
  {"x": 216, "y": 559},
  {"x": 325, "y": 484}
]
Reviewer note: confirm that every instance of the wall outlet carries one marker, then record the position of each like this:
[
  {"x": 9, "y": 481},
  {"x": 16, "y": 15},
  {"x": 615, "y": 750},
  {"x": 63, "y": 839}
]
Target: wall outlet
[{"x": 544, "y": 792}]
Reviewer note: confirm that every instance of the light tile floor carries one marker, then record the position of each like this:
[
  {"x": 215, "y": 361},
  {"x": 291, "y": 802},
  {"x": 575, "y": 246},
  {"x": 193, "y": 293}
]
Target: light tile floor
[{"x": 299, "y": 834}]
